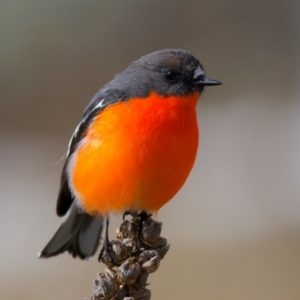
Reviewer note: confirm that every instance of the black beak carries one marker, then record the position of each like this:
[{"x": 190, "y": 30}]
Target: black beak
[{"x": 207, "y": 82}]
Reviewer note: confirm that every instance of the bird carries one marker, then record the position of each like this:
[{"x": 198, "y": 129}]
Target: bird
[{"x": 132, "y": 150}]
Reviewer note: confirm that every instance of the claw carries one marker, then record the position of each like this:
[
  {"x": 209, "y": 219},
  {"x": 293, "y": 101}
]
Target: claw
[
  {"x": 126, "y": 213},
  {"x": 106, "y": 254}
]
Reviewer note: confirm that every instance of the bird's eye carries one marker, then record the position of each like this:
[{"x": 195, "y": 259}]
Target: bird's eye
[{"x": 172, "y": 76}]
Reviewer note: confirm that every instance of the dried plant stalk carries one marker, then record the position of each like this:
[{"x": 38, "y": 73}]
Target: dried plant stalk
[{"x": 136, "y": 253}]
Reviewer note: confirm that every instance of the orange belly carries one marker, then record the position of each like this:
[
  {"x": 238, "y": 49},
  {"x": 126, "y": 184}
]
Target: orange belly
[{"x": 136, "y": 154}]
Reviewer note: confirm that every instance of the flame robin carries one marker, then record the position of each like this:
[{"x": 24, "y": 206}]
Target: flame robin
[{"x": 133, "y": 149}]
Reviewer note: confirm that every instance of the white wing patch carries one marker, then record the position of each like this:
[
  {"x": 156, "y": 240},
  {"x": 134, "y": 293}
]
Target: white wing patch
[
  {"x": 99, "y": 105},
  {"x": 73, "y": 136}
]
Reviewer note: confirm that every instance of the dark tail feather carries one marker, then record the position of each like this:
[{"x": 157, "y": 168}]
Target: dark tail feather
[{"x": 79, "y": 234}]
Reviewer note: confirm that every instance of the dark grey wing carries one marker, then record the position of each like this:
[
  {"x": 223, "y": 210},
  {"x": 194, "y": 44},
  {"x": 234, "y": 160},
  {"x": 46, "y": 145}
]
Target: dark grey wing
[
  {"x": 79, "y": 233},
  {"x": 65, "y": 197},
  {"x": 104, "y": 98}
]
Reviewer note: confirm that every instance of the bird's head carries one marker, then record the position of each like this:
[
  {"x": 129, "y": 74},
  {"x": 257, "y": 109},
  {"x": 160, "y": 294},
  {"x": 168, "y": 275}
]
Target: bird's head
[{"x": 167, "y": 72}]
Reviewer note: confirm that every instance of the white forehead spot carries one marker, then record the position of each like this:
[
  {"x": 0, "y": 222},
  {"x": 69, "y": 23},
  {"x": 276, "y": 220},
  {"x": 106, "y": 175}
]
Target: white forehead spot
[{"x": 198, "y": 72}]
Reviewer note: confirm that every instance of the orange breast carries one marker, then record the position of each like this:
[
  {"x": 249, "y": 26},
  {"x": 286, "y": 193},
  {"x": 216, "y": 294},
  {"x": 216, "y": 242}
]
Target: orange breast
[{"x": 136, "y": 154}]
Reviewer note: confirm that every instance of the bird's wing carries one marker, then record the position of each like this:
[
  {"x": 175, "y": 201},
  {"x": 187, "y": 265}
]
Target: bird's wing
[{"x": 104, "y": 98}]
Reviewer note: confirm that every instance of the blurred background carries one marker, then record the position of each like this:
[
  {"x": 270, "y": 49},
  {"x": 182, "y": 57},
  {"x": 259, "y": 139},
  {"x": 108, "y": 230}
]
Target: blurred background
[{"x": 234, "y": 228}]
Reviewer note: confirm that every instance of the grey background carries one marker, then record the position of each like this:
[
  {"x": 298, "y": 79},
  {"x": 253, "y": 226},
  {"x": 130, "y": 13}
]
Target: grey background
[{"x": 234, "y": 228}]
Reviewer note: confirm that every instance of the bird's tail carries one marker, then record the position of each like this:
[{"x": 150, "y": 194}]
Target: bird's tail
[{"x": 79, "y": 234}]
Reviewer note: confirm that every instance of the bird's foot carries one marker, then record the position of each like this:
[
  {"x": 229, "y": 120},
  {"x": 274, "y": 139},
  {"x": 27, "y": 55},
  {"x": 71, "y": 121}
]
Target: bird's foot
[{"x": 107, "y": 255}]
